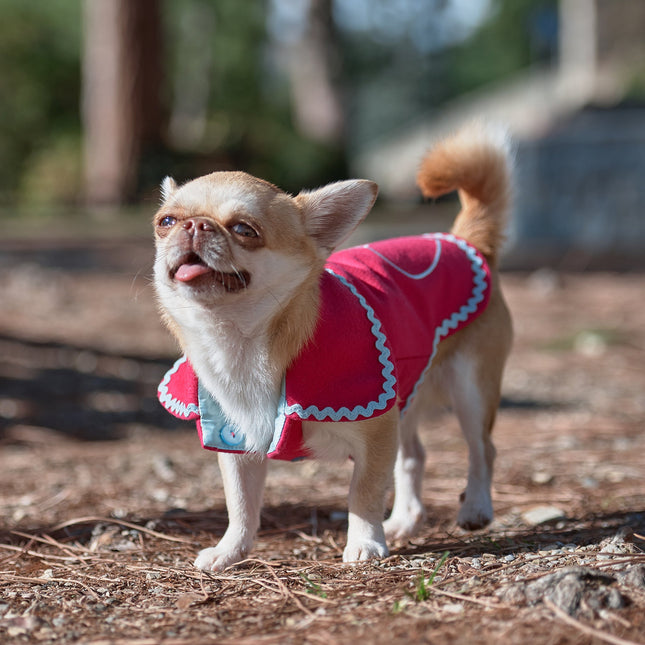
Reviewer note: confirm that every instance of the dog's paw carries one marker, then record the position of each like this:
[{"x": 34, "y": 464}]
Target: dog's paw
[
  {"x": 404, "y": 525},
  {"x": 366, "y": 550},
  {"x": 217, "y": 559},
  {"x": 476, "y": 513}
]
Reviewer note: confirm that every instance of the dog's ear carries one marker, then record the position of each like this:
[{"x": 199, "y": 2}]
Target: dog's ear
[
  {"x": 332, "y": 212},
  {"x": 168, "y": 188}
]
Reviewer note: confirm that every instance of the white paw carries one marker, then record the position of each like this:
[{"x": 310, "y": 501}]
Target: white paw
[
  {"x": 365, "y": 550},
  {"x": 404, "y": 525},
  {"x": 218, "y": 558},
  {"x": 475, "y": 513}
]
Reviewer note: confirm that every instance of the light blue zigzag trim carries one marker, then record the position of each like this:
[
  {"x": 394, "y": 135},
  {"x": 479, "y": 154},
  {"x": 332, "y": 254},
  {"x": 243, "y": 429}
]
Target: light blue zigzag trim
[
  {"x": 168, "y": 401},
  {"x": 477, "y": 295},
  {"x": 412, "y": 276},
  {"x": 388, "y": 392}
]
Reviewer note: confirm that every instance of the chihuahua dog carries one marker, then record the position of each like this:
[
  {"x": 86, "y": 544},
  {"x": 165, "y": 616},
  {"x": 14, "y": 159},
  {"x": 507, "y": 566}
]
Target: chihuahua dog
[{"x": 293, "y": 351}]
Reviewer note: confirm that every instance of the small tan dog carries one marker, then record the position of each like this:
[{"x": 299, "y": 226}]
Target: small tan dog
[{"x": 279, "y": 334}]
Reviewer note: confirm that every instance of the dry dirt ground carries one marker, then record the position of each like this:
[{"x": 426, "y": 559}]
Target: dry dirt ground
[{"x": 105, "y": 499}]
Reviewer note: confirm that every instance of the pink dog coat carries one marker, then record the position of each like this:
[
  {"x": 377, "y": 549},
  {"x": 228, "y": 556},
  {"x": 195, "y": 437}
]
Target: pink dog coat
[{"x": 385, "y": 307}]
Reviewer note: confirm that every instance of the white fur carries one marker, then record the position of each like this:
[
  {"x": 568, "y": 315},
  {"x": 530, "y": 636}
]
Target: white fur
[
  {"x": 243, "y": 477},
  {"x": 487, "y": 134},
  {"x": 168, "y": 187},
  {"x": 332, "y": 441},
  {"x": 477, "y": 507},
  {"x": 455, "y": 384},
  {"x": 365, "y": 539},
  {"x": 408, "y": 512},
  {"x": 229, "y": 347}
]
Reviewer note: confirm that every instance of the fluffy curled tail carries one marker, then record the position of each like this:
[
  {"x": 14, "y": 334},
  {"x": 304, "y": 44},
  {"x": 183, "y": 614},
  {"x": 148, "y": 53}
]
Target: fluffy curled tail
[{"x": 476, "y": 163}]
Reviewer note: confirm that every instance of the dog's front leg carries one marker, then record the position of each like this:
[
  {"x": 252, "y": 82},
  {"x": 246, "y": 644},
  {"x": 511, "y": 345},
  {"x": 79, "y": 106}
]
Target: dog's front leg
[
  {"x": 373, "y": 465},
  {"x": 243, "y": 477}
]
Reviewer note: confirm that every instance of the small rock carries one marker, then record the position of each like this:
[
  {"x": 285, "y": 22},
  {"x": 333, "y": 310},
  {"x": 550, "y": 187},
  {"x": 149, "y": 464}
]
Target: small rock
[
  {"x": 21, "y": 625},
  {"x": 622, "y": 542},
  {"x": 453, "y": 608},
  {"x": 604, "y": 598},
  {"x": 542, "y": 514},
  {"x": 164, "y": 468},
  {"x": 113, "y": 538},
  {"x": 590, "y": 482},
  {"x": 575, "y": 590},
  {"x": 590, "y": 343},
  {"x": 551, "y": 547},
  {"x": 634, "y": 576},
  {"x": 542, "y": 477}
]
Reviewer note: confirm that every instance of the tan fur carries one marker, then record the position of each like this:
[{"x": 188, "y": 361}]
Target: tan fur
[
  {"x": 475, "y": 163},
  {"x": 294, "y": 326},
  {"x": 379, "y": 436},
  {"x": 242, "y": 342},
  {"x": 471, "y": 163},
  {"x": 282, "y": 221},
  {"x": 479, "y": 171}
]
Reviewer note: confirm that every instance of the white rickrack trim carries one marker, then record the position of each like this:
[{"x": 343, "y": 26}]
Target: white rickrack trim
[
  {"x": 169, "y": 402},
  {"x": 477, "y": 295},
  {"x": 412, "y": 276}
]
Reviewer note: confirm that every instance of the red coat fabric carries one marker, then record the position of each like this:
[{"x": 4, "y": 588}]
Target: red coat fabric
[{"x": 385, "y": 307}]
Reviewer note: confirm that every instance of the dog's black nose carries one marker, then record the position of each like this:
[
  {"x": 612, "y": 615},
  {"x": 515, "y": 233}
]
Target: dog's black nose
[{"x": 196, "y": 225}]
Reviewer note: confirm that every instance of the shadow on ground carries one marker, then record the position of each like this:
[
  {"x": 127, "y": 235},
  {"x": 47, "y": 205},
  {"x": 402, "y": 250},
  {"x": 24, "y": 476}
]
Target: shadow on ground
[{"x": 81, "y": 392}]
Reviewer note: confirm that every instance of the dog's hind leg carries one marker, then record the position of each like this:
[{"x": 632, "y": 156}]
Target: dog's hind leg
[
  {"x": 408, "y": 512},
  {"x": 475, "y": 404}
]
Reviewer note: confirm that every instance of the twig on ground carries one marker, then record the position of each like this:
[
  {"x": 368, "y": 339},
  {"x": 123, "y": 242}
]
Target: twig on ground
[
  {"x": 47, "y": 539},
  {"x": 130, "y": 525},
  {"x": 458, "y": 596},
  {"x": 281, "y": 584},
  {"x": 43, "y": 556},
  {"x": 8, "y": 579}
]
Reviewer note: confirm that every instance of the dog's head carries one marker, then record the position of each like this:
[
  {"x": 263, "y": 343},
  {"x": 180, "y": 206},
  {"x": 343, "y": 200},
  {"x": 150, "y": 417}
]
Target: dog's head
[{"x": 228, "y": 242}]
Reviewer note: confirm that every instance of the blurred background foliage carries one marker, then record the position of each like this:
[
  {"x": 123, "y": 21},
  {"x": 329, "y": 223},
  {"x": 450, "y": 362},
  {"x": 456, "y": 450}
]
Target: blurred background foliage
[
  {"x": 229, "y": 91},
  {"x": 40, "y": 125}
]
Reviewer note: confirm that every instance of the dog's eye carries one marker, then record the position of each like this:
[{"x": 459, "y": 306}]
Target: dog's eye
[
  {"x": 244, "y": 230},
  {"x": 167, "y": 221}
]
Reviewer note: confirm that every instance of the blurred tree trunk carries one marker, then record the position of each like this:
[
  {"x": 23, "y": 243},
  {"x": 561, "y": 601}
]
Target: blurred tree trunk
[
  {"x": 314, "y": 66},
  {"x": 121, "y": 94}
]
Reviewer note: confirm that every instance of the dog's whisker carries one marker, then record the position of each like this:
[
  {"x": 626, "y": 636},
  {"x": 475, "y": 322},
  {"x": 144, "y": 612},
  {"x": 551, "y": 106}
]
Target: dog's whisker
[
  {"x": 147, "y": 277},
  {"x": 277, "y": 300},
  {"x": 240, "y": 276}
]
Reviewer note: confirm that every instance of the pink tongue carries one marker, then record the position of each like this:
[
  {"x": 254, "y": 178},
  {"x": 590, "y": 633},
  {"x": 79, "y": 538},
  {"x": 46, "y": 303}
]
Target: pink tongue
[{"x": 188, "y": 272}]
